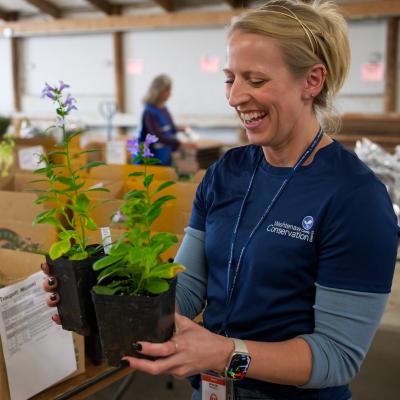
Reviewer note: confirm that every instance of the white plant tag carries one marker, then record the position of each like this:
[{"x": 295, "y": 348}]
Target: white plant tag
[
  {"x": 29, "y": 158},
  {"x": 116, "y": 152},
  {"x": 106, "y": 238}
]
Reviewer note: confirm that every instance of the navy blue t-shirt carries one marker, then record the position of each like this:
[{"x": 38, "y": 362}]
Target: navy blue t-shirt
[{"x": 334, "y": 225}]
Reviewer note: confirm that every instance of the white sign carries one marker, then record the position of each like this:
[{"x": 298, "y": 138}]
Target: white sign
[
  {"x": 116, "y": 152},
  {"x": 37, "y": 352},
  {"x": 29, "y": 158}
]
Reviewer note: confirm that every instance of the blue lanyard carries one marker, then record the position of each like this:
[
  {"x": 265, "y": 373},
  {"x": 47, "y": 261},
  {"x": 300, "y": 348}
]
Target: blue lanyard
[{"x": 299, "y": 163}]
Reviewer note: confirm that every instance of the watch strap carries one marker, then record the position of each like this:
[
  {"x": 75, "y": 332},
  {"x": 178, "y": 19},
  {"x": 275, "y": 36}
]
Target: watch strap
[{"x": 240, "y": 346}]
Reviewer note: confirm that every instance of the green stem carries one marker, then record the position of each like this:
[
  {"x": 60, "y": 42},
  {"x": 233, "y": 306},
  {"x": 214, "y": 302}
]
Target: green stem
[{"x": 81, "y": 238}]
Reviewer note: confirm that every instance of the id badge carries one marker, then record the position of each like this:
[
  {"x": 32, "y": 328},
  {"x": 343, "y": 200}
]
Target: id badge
[{"x": 213, "y": 387}]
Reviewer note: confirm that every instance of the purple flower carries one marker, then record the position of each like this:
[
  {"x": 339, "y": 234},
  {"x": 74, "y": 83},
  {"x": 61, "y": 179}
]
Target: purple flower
[
  {"x": 48, "y": 91},
  {"x": 70, "y": 108},
  {"x": 150, "y": 139},
  {"x": 133, "y": 146},
  {"x": 63, "y": 86},
  {"x": 69, "y": 101},
  {"x": 146, "y": 152},
  {"x": 60, "y": 121}
]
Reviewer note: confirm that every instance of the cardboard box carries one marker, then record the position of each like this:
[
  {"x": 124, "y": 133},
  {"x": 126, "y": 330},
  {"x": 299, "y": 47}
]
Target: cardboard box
[
  {"x": 189, "y": 160},
  {"x": 176, "y": 213},
  {"x": 16, "y": 230},
  {"x": 15, "y": 266},
  {"x": 121, "y": 172},
  {"x": 49, "y": 145}
]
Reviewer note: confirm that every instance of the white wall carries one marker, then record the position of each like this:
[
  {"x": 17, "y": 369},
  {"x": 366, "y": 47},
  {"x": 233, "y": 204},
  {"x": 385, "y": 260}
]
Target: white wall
[
  {"x": 6, "y": 91},
  {"x": 368, "y": 44}
]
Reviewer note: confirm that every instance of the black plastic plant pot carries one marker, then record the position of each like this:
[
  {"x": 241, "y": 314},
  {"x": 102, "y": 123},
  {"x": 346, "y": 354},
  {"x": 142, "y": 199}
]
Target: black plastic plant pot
[
  {"x": 124, "y": 320},
  {"x": 75, "y": 280}
]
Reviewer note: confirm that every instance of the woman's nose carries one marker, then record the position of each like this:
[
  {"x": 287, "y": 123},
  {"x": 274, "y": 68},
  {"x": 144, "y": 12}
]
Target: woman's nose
[{"x": 237, "y": 94}]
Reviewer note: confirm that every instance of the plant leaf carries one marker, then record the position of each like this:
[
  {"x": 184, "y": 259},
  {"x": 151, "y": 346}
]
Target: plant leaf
[
  {"x": 156, "y": 285},
  {"x": 79, "y": 256},
  {"x": 133, "y": 174},
  {"x": 58, "y": 249},
  {"x": 105, "y": 262},
  {"x": 82, "y": 201},
  {"x": 167, "y": 270},
  {"x": 105, "y": 290},
  {"x": 147, "y": 180},
  {"x": 163, "y": 186}
]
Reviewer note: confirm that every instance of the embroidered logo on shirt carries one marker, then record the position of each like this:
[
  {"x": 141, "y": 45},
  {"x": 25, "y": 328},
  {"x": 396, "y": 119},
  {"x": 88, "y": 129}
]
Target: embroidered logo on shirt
[
  {"x": 307, "y": 222},
  {"x": 293, "y": 231}
]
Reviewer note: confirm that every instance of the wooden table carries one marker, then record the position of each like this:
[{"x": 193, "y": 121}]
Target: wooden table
[{"x": 95, "y": 378}]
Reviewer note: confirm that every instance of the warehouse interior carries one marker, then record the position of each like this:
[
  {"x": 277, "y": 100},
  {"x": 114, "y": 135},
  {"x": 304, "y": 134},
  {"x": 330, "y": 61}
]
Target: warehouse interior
[{"x": 104, "y": 55}]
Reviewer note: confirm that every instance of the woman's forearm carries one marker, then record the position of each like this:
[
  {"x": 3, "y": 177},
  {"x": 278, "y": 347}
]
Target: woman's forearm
[{"x": 287, "y": 363}]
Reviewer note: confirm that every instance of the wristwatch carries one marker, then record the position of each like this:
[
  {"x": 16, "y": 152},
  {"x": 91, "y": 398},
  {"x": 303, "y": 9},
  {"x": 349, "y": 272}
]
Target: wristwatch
[{"x": 239, "y": 361}]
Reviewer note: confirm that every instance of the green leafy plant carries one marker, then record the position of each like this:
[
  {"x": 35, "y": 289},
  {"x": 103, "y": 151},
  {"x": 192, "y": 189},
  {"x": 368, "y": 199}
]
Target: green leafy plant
[
  {"x": 7, "y": 144},
  {"x": 66, "y": 187},
  {"x": 134, "y": 266}
]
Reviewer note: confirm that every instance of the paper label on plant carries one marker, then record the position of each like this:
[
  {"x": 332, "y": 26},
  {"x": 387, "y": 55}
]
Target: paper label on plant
[
  {"x": 106, "y": 238},
  {"x": 116, "y": 152},
  {"x": 29, "y": 158}
]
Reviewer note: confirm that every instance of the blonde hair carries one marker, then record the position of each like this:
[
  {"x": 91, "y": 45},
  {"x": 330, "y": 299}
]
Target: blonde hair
[
  {"x": 158, "y": 85},
  {"x": 308, "y": 34}
]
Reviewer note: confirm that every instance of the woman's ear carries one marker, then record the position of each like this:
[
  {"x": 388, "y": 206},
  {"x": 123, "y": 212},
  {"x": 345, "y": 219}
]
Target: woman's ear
[{"x": 315, "y": 80}]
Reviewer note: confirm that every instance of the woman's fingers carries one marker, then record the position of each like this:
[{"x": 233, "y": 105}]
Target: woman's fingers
[
  {"x": 50, "y": 283},
  {"x": 52, "y": 299},
  {"x": 56, "y": 319},
  {"x": 157, "y": 367},
  {"x": 165, "y": 349},
  {"x": 45, "y": 268}
]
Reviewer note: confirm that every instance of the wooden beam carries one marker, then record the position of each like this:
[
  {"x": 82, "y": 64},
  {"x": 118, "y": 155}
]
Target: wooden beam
[
  {"x": 167, "y": 5},
  {"x": 119, "y": 71},
  {"x": 392, "y": 53},
  {"x": 370, "y": 9},
  {"x": 8, "y": 15},
  {"x": 46, "y": 7},
  {"x": 123, "y": 23},
  {"x": 105, "y": 6},
  {"x": 15, "y": 74},
  {"x": 237, "y": 3}
]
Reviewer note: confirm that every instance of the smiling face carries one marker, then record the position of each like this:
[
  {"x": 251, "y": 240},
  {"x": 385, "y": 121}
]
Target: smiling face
[{"x": 267, "y": 97}]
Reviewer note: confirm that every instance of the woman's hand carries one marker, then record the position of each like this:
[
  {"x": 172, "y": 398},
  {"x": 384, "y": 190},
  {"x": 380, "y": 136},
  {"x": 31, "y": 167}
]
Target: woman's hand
[
  {"x": 191, "y": 350},
  {"x": 50, "y": 286}
]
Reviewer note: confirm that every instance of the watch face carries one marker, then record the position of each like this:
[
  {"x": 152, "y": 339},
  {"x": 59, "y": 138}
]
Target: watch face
[{"x": 238, "y": 366}]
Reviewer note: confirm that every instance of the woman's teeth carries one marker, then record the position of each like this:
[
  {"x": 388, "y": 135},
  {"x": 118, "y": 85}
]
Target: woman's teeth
[{"x": 252, "y": 116}]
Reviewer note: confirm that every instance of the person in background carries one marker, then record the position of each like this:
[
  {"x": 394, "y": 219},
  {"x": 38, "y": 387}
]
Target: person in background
[
  {"x": 157, "y": 120},
  {"x": 292, "y": 242}
]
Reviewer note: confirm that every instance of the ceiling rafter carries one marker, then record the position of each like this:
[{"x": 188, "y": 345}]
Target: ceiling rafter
[
  {"x": 8, "y": 15},
  {"x": 237, "y": 3},
  {"x": 46, "y": 7},
  {"x": 370, "y": 9},
  {"x": 106, "y": 6},
  {"x": 167, "y": 5}
]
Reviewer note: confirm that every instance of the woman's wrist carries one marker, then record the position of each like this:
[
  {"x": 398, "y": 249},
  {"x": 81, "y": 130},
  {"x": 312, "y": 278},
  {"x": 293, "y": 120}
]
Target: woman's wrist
[{"x": 225, "y": 348}]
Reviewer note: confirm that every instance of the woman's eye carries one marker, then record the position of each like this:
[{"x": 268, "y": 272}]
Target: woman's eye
[
  {"x": 256, "y": 82},
  {"x": 229, "y": 81}
]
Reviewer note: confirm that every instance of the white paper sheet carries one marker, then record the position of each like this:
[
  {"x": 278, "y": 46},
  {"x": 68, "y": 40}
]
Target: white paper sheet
[{"x": 37, "y": 352}]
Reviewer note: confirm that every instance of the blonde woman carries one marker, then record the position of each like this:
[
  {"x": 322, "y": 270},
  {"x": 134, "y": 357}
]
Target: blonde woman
[{"x": 291, "y": 246}]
